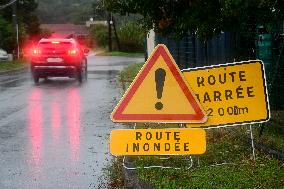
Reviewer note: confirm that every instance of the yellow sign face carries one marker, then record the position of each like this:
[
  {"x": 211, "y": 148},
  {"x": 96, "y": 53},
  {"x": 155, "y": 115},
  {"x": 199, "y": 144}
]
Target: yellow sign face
[
  {"x": 231, "y": 94},
  {"x": 157, "y": 142},
  {"x": 159, "y": 93}
]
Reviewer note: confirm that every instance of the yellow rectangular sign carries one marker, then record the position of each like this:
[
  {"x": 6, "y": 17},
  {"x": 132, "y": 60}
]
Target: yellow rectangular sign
[
  {"x": 231, "y": 94},
  {"x": 157, "y": 142}
]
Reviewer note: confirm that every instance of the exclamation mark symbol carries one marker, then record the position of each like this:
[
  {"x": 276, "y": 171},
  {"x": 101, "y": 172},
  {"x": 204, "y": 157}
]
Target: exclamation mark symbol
[{"x": 160, "y": 75}]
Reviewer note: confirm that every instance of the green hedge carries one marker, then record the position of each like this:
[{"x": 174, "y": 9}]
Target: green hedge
[
  {"x": 100, "y": 35},
  {"x": 131, "y": 37}
]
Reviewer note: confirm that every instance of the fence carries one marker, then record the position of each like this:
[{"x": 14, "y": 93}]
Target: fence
[{"x": 190, "y": 52}]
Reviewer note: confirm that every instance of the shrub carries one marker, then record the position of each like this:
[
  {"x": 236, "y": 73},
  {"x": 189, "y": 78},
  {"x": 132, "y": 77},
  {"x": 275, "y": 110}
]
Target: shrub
[
  {"x": 131, "y": 37},
  {"x": 100, "y": 35}
]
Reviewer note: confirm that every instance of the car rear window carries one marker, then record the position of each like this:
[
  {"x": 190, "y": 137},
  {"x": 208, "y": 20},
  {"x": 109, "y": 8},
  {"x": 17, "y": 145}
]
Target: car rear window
[{"x": 55, "y": 45}]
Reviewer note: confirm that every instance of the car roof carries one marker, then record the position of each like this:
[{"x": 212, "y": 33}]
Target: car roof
[{"x": 57, "y": 39}]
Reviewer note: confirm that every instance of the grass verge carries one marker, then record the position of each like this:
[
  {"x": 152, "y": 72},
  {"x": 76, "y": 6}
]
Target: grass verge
[
  {"x": 129, "y": 73},
  {"x": 115, "y": 174},
  {"x": 226, "y": 164},
  {"x": 264, "y": 173},
  {"x": 13, "y": 65}
]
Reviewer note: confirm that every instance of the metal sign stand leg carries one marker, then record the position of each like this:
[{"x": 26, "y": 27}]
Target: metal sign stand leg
[{"x": 252, "y": 143}]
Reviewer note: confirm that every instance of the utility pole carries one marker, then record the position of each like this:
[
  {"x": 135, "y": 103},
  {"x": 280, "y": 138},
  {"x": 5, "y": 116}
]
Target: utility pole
[
  {"x": 116, "y": 36},
  {"x": 110, "y": 22},
  {"x": 16, "y": 26}
]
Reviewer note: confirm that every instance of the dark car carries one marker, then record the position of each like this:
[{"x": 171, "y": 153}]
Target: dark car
[{"x": 58, "y": 58}]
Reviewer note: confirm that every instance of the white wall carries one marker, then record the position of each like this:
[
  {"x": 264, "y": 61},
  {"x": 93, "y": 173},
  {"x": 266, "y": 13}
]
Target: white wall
[{"x": 150, "y": 42}]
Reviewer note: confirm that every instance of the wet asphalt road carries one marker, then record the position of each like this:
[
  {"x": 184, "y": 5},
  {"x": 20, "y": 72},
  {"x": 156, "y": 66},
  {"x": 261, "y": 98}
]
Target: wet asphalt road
[{"x": 55, "y": 135}]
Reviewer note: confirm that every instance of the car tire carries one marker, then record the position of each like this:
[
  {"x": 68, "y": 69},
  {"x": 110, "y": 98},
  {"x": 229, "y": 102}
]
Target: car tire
[
  {"x": 35, "y": 76},
  {"x": 82, "y": 72},
  {"x": 36, "y": 79},
  {"x": 79, "y": 77},
  {"x": 86, "y": 71}
]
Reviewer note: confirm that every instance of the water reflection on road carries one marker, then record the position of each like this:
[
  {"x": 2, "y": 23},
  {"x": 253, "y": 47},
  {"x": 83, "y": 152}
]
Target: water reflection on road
[
  {"x": 55, "y": 134},
  {"x": 35, "y": 125},
  {"x": 64, "y": 119},
  {"x": 73, "y": 119}
]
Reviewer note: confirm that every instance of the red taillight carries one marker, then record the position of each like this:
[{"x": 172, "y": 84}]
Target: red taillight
[
  {"x": 72, "y": 52},
  {"x": 55, "y": 42},
  {"x": 36, "y": 51}
]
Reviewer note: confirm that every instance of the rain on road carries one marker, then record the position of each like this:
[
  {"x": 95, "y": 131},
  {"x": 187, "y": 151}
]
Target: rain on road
[{"x": 55, "y": 134}]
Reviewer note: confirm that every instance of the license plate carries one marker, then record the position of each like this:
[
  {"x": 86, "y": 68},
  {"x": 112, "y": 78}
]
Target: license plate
[{"x": 57, "y": 60}]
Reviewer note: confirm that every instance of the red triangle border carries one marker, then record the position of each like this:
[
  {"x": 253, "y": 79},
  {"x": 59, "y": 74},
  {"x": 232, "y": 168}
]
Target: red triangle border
[{"x": 160, "y": 51}]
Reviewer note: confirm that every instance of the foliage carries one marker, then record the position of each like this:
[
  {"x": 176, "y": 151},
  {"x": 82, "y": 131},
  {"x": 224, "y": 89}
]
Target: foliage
[
  {"x": 14, "y": 65},
  {"x": 132, "y": 32},
  {"x": 240, "y": 171},
  {"x": 6, "y": 34},
  {"x": 99, "y": 13},
  {"x": 115, "y": 174},
  {"x": 100, "y": 35},
  {"x": 64, "y": 11},
  {"x": 27, "y": 22},
  {"x": 129, "y": 73},
  {"x": 206, "y": 18},
  {"x": 131, "y": 37}
]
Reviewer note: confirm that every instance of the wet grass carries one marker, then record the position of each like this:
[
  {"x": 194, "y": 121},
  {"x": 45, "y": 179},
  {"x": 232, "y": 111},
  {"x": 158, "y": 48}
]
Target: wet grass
[
  {"x": 273, "y": 131},
  {"x": 115, "y": 174},
  {"x": 263, "y": 173},
  {"x": 272, "y": 136},
  {"x": 227, "y": 163},
  {"x": 129, "y": 73},
  {"x": 12, "y": 65}
]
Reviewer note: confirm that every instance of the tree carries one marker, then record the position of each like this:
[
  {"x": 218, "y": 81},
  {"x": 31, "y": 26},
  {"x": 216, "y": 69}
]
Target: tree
[
  {"x": 99, "y": 12},
  {"x": 27, "y": 21},
  {"x": 64, "y": 11},
  {"x": 6, "y": 34},
  {"x": 206, "y": 18}
]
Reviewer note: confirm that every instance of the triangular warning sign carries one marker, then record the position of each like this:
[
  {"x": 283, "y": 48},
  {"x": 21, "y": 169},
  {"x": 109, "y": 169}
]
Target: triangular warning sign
[{"x": 159, "y": 93}]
